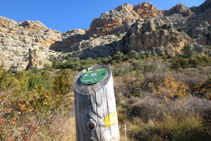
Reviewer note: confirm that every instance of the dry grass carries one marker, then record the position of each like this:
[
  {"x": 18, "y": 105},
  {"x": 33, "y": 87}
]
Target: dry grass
[
  {"x": 172, "y": 128},
  {"x": 60, "y": 128}
]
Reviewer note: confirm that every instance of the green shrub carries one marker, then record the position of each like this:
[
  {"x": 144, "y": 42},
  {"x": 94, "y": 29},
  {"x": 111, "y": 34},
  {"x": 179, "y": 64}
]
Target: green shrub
[
  {"x": 133, "y": 54},
  {"x": 175, "y": 65},
  {"x": 62, "y": 82},
  {"x": 149, "y": 68},
  {"x": 84, "y": 64},
  {"x": 194, "y": 62},
  {"x": 142, "y": 56},
  {"x": 207, "y": 46},
  {"x": 72, "y": 63},
  {"x": 187, "y": 51},
  {"x": 118, "y": 57},
  {"x": 163, "y": 55},
  {"x": 104, "y": 61},
  {"x": 36, "y": 81},
  {"x": 121, "y": 69},
  {"x": 179, "y": 63},
  {"x": 148, "y": 54},
  {"x": 6, "y": 79}
]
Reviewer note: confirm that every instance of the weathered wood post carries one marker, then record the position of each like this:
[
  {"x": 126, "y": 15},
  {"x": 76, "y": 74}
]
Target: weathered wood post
[{"x": 95, "y": 105}]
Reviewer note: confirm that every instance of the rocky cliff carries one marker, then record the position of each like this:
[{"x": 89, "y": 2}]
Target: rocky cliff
[
  {"x": 142, "y": 27},
  {"x": 124, "y": 14}
]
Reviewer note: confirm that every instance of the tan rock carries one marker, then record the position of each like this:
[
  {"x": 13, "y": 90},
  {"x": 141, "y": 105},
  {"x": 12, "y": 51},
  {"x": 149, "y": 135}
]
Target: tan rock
[
  {"x": 149, "y": 36},
  {"x": 147, "y": 10},
  {"x": 120, "y": 16},
  {"x": 37, "y": 59}
]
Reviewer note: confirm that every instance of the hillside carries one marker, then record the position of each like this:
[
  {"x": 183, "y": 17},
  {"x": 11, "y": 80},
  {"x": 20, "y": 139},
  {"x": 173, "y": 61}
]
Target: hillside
[
  {"x": 142, "y": 27},
  {"x": 160, "y": 62}
]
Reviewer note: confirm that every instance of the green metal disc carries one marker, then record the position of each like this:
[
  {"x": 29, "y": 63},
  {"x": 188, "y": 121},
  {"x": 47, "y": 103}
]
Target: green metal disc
[{"x": 93, "y": 76}]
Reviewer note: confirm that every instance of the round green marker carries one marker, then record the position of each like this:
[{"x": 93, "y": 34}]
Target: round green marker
[{"x": 93, "y": 76}]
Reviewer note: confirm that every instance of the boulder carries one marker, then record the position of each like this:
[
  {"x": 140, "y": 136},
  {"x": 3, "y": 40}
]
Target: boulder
[{"x": 37, "y": 59}]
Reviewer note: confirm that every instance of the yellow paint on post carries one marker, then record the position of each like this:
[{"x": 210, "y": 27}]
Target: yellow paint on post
[
  {"x": 110, "y": 119},
  {"x": 113, "y": 139}
]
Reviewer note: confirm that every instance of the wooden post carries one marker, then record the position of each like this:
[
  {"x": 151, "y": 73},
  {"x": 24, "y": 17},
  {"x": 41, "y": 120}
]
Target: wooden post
[{"x": 95, "y": 108}]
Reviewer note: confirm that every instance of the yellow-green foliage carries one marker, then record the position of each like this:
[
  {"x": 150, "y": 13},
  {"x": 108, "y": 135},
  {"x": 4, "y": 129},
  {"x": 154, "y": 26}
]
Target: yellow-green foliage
[
  {"x": 202, "y": 88},
  {"x": 172, "y": 88},
  {"x": 29, "y": 99}
]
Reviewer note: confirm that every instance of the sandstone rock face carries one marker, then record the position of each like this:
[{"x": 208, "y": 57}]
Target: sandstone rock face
[
  {"x": 203, "y": 12},
  {"x": 70, "y": 38},
  {"x": 147, "y": 10},
  {"x": 103, "y": 46},
  {"x": 148, "y": 36},
  {"x": 205, "y": 8},
  {"x": 112, "y": 19},
  {"x": 120, "y": 16},
  {"x": 37, "y": 59},
  {"x": 179, "y": 9},
  {"x": 16, "y": 38}
]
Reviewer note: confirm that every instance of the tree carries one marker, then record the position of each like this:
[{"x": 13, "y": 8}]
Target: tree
[{"x": 187, "y": 51}]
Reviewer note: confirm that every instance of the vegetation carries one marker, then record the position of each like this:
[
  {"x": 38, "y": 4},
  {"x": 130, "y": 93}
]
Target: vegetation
[{"x": 158, "y": 98}]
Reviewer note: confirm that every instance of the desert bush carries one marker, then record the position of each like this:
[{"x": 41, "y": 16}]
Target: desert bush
[
  {"x": 133, "y": 54},
  {"x": 204, "y": 87},
  {"x": 62, "y": 81},
  {"x": 105, "y": 61},
  {"x": 121, "y": 69},
  {"x": 179, "y": 63},
  {"x": 117, "y": 57},
  {"x": 149, "y": 65},
  {"x": 128, "y": 84},
  {"x": 40, "y": 80},
  {"x": 142, "y": 56},
  {"x": 7, "y": 79},
  {"x": 187, "y": 51},
  {"x": 192, "y": 105},
  {"x": 163, "y": 55},
  {"x": 75, "y": 63},
  {"x": 171, "y": 88},
  {"x": 194, "y": 62},
  {"x": 191, "y": 76},
  {"x": 148, "y": 108},
  {"x": 204, "y": 60},
  {"x": 145, "y": 68},
  {"x": 84, "y": 64},
  {"x": 151, "y": 80},
  {"x": 148, "y": 54}
]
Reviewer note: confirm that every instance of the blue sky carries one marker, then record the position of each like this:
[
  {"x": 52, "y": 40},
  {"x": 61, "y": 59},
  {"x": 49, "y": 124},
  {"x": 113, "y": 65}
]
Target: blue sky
[{"x": 64, "y": 15}]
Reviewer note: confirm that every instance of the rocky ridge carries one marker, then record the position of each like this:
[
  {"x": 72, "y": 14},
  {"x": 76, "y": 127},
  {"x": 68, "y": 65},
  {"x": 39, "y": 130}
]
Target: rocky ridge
[
  {"x": 141, "y": 27},
  {"x": 121, "y": 15}
]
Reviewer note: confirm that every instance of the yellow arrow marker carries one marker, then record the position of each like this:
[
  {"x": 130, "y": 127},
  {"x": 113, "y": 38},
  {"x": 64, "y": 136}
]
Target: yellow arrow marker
[{"x": 110, "y": 119}]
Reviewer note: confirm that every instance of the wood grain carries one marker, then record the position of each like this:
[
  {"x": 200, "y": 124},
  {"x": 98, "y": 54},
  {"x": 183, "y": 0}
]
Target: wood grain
[{"x": 95, "y": 109}]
